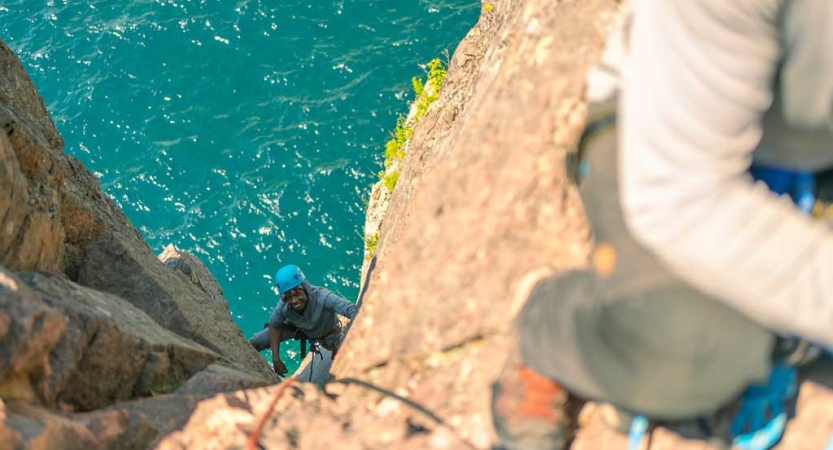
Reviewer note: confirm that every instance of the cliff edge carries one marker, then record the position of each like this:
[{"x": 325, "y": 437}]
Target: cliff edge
[{"x": 102, "y": 342}]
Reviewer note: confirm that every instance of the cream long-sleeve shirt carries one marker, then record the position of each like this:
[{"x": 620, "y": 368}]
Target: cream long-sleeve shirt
[{"x": 708, "y": 86}]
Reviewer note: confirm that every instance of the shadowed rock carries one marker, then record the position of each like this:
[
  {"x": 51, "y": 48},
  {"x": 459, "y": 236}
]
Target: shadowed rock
[
  {"x": 217, "y": 378},
  {"x": 29, "y": 331},
  {"x": 134, "y": 425},
  {"x": 135, "y": 274},
  {"x": 194, "y": 271},
  {"x": 54, "y": 216},
  {"x": 91, "y": 349}
]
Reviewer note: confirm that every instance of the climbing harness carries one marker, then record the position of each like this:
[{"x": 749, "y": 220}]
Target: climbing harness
[
  {"x": 762, "y": 419},
  {"x": 315, "y": 349},
  {"x": 602, "y": 120},
  {"x": 799, "y": 185}
]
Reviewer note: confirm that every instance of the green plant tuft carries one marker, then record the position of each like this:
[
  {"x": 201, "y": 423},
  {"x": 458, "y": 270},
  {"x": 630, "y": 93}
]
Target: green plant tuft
[
  {"x": 390, "y": 179},
  {"x": 425, "y": 93},
  {"x": 395, "y": 148},
  {"x": 370, "y": 242}
]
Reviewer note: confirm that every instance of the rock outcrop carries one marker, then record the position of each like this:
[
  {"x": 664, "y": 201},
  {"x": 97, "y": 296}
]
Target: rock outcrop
[
  {"x": 97, "y": 350},
  {"x": 102, "y": 345},
  {"x": 54, "y": 216},
  {"x": 133, "y": 425},
  {"x": 69, "y": 348}
]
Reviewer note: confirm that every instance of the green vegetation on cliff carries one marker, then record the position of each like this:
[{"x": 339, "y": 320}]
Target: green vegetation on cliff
[{"x": 424, "y": 94}]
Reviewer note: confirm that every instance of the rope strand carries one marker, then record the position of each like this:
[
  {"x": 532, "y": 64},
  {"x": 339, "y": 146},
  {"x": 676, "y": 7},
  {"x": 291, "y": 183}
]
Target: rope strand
[{"x": 255, "y": 434}]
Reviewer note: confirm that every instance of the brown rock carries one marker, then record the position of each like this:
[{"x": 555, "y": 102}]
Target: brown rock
[
  {"x": 217, "y": 378},
  {"x": 53, "y": 216},
  {"x": 31, "y": 235},
  {"x": 134, "y": 273},
  {"x": 17, "y": 89},
  {"x": 76, "y": 348},
  {"x": 194, "y": 271},
  {"x": 227, "y": 420},
  {"x": 36, "y": 428},
  {"x": 134, "y": 425},
  {"x": 33, "y": 330}
]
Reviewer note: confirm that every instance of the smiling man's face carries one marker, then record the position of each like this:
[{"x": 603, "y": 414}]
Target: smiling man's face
[{"x": 296, "y": 298}]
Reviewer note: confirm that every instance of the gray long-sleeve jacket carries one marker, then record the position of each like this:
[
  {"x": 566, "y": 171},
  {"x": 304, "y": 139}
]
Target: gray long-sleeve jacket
[
  {"x": 709, "y": 86},
  {"x": 319, "y": 316}
]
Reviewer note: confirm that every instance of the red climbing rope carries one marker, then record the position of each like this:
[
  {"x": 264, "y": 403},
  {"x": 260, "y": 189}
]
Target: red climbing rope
[{"x": 253, "y": 437}]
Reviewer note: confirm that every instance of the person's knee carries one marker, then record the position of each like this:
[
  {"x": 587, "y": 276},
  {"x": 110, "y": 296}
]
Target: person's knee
[
  {"x": 260, "y": 341},
  {"x": 665, "y": 351},
  {"x": 674, "y": 352}
]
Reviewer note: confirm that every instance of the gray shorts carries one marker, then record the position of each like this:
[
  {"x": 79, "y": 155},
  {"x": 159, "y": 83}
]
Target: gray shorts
[{"x": 641, "y": 338}]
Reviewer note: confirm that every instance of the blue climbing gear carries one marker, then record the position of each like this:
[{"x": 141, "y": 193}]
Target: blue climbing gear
[
  {"x": 761, "y": 420},
  {"x": 799, "y": 185},
  {"x": 288, "y": 277},
  {"x": 636, "y": 433}
]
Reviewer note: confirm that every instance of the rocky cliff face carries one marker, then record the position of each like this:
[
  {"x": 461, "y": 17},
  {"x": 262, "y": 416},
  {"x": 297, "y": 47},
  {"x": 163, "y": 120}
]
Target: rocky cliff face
[
  {"x": 482, "y": 210},
  {"x": 101, "y": 341}
]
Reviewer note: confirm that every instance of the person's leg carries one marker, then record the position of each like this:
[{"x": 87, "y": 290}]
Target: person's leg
[
  {"x": 667, "y": 352},
  {"x": 629, "y": 332},
  {"x": 639, "y": 336},
  {"x": 260, "y": 341}
]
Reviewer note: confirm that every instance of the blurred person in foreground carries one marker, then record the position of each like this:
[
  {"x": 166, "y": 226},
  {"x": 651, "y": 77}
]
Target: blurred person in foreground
[{"x": 709, "y": 122}]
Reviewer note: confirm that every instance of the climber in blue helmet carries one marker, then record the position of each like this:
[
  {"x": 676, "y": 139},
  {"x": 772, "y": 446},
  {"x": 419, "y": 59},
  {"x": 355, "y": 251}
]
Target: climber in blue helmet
[{"x": 304, "y": 311}]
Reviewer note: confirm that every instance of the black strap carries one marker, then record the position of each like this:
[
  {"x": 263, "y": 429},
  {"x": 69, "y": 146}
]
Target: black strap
[{"x": 602, "y": 119}]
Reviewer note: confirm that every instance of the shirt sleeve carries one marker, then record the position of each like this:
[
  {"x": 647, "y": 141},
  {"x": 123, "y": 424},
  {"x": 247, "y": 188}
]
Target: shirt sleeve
[
  {"x": 697, "y": 82},
  {"x": 340, "y": 305},
  {"x": 277, "y": 318}
]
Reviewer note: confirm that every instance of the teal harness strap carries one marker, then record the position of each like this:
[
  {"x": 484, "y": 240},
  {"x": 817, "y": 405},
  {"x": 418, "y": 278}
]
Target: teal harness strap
[
  {"x": 829, "y": 445},
  {"x": 761, "y": 420},
  {"x": 636, "y": 434}
]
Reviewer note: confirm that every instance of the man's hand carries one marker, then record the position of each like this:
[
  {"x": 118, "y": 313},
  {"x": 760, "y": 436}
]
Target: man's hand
[
  {"x": 280, "y": 367},
  {"x": 275, "y": 344}
]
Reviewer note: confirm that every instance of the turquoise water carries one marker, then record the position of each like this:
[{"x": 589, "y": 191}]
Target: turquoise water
[{"x": 246, "y": 131}]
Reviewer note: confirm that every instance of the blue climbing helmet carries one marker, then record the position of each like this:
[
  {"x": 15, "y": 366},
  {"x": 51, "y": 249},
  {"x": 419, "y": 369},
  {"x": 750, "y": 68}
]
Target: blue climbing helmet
[{"x": 288, "y": 277}]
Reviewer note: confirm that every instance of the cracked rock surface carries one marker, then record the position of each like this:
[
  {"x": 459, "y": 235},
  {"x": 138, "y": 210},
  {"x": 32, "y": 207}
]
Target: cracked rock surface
[
  {"x": 102, "y": 345},
  {"x": 93, "y": 348},
  {"x": 54, "y": 217}
]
